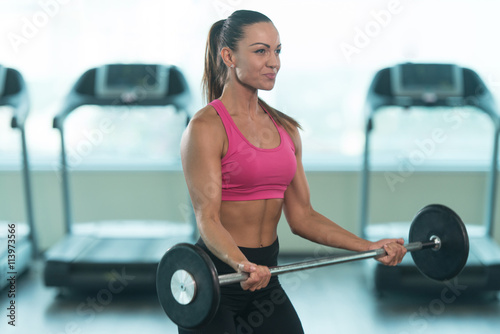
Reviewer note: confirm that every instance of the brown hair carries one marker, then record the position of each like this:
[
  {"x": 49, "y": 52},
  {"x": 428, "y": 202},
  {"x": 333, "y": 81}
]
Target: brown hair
[{"x": 227, "y": 33}]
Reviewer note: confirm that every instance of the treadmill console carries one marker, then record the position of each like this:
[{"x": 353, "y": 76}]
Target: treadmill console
[
  {"x": 428, "y": 82},
  {"x": 3, "y": 72},
  {"x": 131, "y": 82}
]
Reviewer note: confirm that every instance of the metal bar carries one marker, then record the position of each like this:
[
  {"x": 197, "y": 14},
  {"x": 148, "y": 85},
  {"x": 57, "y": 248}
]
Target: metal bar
[
  {"x": 28, "y": 195},
  {"x": 241, "y": 276},
  {"x": 365, "y": 178},
  {"x": 492, "y": 191},
  {"x": 66, "y": 195}
]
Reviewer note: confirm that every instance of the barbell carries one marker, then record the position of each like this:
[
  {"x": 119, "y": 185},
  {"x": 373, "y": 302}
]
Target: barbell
[{"x": 188, "y": 285}]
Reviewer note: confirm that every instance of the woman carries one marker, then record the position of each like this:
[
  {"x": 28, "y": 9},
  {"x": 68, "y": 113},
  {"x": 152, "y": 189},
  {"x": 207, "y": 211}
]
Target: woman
[{"x": 242, "y": 164}]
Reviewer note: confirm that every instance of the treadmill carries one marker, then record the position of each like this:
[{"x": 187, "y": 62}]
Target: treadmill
[
  {"x": 14, "y": 94},
  {"x": 433, "y": 85},
  {"x": 101, "y": 254}
]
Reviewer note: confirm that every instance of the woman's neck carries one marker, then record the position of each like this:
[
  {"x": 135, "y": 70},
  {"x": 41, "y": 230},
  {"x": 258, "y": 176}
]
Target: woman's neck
[{"x": 240, "y": 100}]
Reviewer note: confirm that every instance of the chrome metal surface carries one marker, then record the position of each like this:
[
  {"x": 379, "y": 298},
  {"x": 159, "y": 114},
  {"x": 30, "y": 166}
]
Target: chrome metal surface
[{"x": 183, "y": 287}]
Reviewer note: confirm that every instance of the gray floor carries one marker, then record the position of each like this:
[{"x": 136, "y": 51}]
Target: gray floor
[{"x": 335, "y": 299}]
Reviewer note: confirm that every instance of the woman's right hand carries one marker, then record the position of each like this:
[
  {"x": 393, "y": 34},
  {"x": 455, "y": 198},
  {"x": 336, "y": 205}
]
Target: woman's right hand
[{"x": 259, "y": 276}]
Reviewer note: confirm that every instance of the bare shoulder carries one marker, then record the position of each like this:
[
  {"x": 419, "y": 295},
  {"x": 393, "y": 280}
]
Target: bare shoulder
[
  {"x": 205, "y": 121},
  {"x": 204, "y": 133},
  {"x": 206, "y": 115}
]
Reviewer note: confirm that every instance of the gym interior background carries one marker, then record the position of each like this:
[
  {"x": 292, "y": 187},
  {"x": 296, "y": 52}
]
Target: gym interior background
[{"x": 131, "y": 171}]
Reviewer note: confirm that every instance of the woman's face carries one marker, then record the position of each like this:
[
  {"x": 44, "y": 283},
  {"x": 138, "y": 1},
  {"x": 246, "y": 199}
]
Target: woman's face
[{"x": 257, "y": 58}]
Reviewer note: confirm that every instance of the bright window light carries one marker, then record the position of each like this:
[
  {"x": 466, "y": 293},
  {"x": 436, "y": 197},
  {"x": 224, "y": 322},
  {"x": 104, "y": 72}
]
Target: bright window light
[{"x": 331, "y": 50}]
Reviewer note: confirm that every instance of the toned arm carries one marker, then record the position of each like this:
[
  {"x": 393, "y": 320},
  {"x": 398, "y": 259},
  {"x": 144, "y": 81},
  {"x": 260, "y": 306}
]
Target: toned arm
[
  {"x": 307, "y": 223},
  {"x": 201, "y": 150}
]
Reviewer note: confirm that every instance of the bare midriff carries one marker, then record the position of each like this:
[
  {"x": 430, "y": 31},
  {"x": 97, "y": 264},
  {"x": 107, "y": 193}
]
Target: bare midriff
[{"x": 252, "y": 224}]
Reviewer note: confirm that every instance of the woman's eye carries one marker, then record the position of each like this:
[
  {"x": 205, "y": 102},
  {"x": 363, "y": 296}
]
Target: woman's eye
[
  {"x": 260, "y": 51},
  {"x": 278, "y": 51}
]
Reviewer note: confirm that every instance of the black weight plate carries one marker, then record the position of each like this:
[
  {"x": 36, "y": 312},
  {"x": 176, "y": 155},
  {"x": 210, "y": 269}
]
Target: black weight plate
[
  {"x": 195, "y": 261},
  {"x": 450, "y": 259}
]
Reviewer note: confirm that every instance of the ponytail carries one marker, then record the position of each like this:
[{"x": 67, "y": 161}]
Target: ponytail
[
  {"x": 282, "y": 119},
  {"x": 215, "y": 72}
]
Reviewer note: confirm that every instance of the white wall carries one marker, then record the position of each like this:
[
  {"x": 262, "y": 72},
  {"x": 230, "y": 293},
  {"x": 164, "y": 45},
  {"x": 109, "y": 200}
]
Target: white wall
[{"x": 163, "y": 195}]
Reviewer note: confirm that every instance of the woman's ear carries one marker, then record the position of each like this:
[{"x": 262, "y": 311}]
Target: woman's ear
[{"x": 227, "y": 56}]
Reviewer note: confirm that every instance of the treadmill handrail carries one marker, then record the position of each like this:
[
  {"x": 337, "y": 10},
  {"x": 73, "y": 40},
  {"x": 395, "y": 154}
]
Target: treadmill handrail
[
  {"x": 15, "y": 95},
  {"x": 482, "y": 100},
  {"x": 75, "y": 98}
]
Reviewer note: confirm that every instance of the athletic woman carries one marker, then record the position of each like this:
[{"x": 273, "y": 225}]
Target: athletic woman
[{"x": 243, "y": 167}]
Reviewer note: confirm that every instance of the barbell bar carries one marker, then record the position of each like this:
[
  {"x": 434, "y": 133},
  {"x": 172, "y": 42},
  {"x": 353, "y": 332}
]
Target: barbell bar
[
  {"x": 188, "y": 285},
  {"x": 435, "y": 243}
]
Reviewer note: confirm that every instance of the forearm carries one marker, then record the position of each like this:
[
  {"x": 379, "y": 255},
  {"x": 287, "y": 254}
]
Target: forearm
[
  {"x": 220, "y": 242},
  {"x": 317, "y": 228}
]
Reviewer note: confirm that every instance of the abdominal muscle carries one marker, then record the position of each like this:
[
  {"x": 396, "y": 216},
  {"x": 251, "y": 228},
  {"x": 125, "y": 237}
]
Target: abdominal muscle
[{"x": 252, "y": 224}]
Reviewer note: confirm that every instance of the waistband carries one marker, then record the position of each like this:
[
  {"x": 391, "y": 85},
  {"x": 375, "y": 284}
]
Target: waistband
[{"x": 264, "y": 256}]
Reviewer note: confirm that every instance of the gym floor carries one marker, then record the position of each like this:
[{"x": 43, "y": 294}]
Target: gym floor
[{"x": 335, "y": 299}]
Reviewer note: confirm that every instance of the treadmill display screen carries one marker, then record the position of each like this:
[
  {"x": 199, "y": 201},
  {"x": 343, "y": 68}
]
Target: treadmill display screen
[
  {"x": 133, "y": 80},
  {"x": 3, "y": 71},
  {"x": 416, "y": 80}
]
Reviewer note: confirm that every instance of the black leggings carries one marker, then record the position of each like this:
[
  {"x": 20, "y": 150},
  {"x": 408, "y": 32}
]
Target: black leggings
[{"x": 265, "y": 311}]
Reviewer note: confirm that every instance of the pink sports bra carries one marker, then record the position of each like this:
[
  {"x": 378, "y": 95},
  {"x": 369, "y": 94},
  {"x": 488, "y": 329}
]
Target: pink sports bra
[{"x": 252, "y": 173}]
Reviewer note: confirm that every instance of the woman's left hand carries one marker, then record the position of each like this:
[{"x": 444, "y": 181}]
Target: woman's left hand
[{"x": 394, "y": 249}]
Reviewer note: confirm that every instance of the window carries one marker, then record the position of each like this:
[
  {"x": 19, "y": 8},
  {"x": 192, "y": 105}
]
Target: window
[{"x": 331, "y": 50}]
